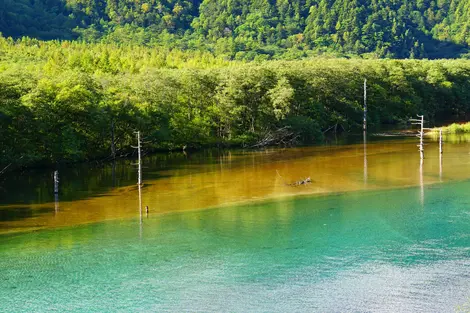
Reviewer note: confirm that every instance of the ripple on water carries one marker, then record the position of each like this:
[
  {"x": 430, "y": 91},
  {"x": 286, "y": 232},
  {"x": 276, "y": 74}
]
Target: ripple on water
[{"x": 373, "y": 255}]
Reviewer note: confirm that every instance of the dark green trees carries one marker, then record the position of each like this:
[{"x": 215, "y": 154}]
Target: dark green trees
[
  {"x": 70, "y": 101},
  {"x": 254, "y": 30}
]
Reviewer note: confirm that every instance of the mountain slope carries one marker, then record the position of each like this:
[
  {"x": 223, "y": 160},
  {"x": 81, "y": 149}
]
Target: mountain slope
[{"x": 254, "y": 29}]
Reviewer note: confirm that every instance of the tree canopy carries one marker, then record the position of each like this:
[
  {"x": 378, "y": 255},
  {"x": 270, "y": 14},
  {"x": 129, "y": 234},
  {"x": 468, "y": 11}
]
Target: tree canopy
[
  {"x": 248, "y": 30},
  {"x": 72, "y": 101}
]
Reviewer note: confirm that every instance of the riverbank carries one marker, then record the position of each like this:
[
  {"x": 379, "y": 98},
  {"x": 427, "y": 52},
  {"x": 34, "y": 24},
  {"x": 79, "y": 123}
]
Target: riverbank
[{"x": 455, "y": 128}]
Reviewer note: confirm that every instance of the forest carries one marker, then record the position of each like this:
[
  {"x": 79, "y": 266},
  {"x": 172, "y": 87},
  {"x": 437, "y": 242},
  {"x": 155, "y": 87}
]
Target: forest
[
  {"x": 253, "y": 30},
  {"x": 69, "y": 101}
]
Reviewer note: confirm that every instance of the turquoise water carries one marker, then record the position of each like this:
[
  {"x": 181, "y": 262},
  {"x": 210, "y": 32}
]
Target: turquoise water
[{"x": 405, "y": 250}]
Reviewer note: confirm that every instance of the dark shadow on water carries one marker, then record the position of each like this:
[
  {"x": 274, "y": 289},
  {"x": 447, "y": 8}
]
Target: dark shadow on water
[
  {"x": 19, "y": 213},
  {"x": 81, "y": 181}
]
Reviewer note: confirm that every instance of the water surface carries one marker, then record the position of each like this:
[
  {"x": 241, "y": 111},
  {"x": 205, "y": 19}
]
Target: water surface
[
  {"x": 181, "y": 182},
  {"x": 382, "y": 251},
  {"x": 377, "y": 230}
]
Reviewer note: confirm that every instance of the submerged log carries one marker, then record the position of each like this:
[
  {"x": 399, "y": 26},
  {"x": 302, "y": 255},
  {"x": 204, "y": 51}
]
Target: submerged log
[{"x": 304, "y": 181}]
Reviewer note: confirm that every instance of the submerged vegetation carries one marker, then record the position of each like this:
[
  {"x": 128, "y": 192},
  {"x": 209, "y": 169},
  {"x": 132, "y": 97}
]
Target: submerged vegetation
[{"x": 70, "y": 101}]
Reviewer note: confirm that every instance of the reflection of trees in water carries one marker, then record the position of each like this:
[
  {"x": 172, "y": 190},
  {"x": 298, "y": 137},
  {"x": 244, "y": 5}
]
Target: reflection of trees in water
[
  {"x": 81, "y": 181},
  {"x": 365, "y": 157},
  {"x": 451, "y": 138},
  {"x": 140, "y": 210},
  {"x": 16, "y": 213},
  {"x": 421, "y": 182}
]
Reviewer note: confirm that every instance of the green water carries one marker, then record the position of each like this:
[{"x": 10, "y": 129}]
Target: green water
[{"x": 402, "y": 250}]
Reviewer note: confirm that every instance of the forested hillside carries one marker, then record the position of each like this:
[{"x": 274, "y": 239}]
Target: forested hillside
[
  {"x": 78, "y": 77},
  {"x": 260, "y": 29},
  {"x": 71, "y": 101}
]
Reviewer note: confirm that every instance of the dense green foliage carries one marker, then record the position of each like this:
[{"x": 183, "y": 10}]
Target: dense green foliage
[
  {"x": 261, "y": 29},
  {"x": 453, "y": 128},
  {"x": 66, "y": 101}
]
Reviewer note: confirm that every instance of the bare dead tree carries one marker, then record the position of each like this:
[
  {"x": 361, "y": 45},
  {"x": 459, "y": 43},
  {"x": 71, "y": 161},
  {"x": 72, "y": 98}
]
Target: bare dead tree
[
  {"x": 280, "y": 137},
  {"x": 139, "y": 162}
]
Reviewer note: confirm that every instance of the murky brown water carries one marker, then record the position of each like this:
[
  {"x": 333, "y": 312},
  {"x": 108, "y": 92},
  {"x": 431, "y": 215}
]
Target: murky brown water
[{"x": 231, "y": 177}]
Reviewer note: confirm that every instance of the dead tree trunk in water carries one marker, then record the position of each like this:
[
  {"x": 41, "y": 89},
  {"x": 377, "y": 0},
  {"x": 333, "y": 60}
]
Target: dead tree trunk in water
[
  {"x": 440, "y": 141},
  {"x": 365, "y": 106},
  {"x": 139, "y": 159},
  {"x": 56, "y": 182},
  {"x": 420, "y": 122},
  {"x": 139, "y": 181}
]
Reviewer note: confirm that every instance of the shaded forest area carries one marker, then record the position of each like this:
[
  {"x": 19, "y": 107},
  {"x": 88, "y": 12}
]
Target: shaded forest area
[
  {"x": 253, "y": 30},
  {"x": 63, "y": 101}
]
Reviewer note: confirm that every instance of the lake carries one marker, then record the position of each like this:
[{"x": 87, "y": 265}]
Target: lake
[{"x": 376, "y": 230}]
